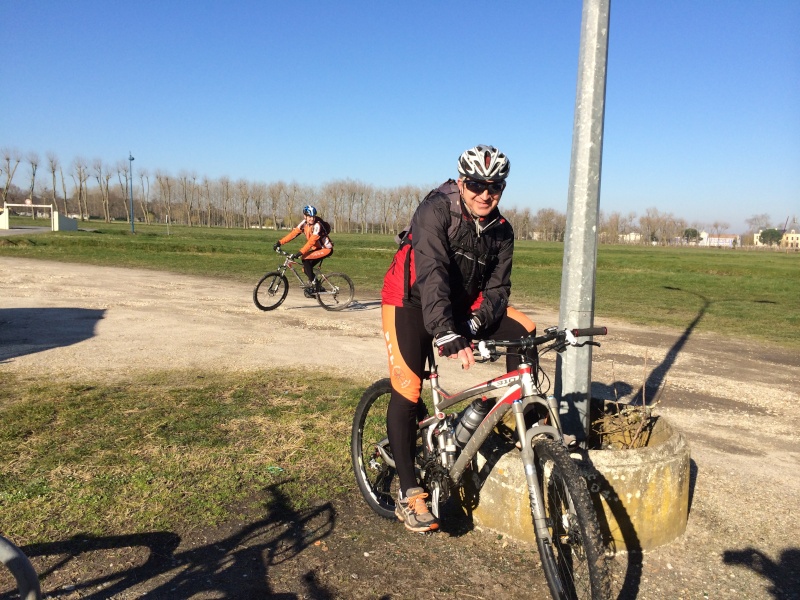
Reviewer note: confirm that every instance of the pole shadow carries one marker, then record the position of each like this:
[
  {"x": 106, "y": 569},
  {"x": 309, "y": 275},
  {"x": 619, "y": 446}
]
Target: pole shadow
[
  {"x": 234, "y": 567},
  {"x": 647, "y": 392},
  {"x": 26, "y": 331}
]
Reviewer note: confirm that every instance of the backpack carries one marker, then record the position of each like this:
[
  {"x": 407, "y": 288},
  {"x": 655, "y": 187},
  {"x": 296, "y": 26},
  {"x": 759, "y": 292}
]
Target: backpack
[
  {"x": 449, "y": 189},
  {"x": 324, "y": 230},
  {"x": 325, "y": 226}
]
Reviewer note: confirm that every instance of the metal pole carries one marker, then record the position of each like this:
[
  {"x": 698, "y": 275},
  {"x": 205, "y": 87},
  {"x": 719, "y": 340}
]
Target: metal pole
[
  {"x": 130, "y": 174},
  {"x": 574, "y": 367}
]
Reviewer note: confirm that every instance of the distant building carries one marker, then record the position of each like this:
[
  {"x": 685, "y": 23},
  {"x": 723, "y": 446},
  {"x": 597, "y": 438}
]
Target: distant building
[
  {"x": 720, "y": 240},
  {"x": 791, "y": 239},
  {"x": 630, "y": 238}
]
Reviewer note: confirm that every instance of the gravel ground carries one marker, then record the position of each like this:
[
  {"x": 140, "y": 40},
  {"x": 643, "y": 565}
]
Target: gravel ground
[{"x": 734, "y": 401}]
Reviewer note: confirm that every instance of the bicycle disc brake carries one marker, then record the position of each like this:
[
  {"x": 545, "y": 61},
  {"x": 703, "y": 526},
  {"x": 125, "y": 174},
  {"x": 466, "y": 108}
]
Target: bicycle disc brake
[{"x": 437, "y": 482}]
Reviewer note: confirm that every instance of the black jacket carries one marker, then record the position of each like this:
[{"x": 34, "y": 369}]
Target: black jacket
[{"x": 455, "y": 266}]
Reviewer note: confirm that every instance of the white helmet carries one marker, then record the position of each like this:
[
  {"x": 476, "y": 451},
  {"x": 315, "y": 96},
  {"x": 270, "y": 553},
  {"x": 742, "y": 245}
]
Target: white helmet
[{"x": 484, "y": 163}]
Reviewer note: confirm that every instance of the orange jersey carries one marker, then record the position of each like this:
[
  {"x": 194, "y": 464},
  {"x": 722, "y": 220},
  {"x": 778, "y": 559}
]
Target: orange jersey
[{"x": 316, "y": 237}]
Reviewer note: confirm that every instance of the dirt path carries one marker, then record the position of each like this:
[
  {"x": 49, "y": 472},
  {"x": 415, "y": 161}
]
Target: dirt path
[{"x": 735, "y": 402}]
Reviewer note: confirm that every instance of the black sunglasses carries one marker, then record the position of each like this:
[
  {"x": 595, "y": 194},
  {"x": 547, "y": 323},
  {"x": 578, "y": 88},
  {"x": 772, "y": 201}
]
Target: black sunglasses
[{"x": 478, "y": 187}]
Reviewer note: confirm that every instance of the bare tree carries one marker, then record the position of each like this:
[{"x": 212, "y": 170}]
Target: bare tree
[
  {"x": 718, "y": 227},
  {"x": 226, "y": 198},
  {"x": 103, "y": 175},
  {"x": 243, "y": 194},
  {"x": 758, "y": 222},
  {"x": 11, "y": 160},
  {"x": 144, "y": 197},
  {"x": 64, "y": 189},
  {"x": 205, "y": 206},
  {"x": 275, "y": 193},
  {"x": 33, "y": 162},
  {"x": 188, "y": 182},
  {"x": 258, "y": 192},
  {"x": 54, "y": 165},
  {"x": 80, "y": 175},
  {"x": 293, "y": 194},
  {"x": 124, "y": 178},
  {"x": 551, "y": 224},
  {"x": 165, "y": 185}
]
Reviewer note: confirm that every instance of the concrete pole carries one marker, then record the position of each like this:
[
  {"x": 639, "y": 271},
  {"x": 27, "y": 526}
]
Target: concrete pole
[{"x": 574, "y": 367}]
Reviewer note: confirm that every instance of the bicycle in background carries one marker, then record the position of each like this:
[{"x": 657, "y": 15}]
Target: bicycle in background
[
  {"x": 334, "y": 291},
  {"x": 565, "y": 524}
]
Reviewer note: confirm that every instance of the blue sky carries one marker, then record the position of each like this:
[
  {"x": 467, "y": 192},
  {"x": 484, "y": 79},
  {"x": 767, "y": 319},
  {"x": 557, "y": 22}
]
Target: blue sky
[{"x": 702, "y": 102}]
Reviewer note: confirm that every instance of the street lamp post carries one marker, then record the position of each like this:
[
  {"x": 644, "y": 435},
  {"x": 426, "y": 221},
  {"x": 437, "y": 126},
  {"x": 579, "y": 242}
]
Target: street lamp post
[{"x": 130, "y": 174}]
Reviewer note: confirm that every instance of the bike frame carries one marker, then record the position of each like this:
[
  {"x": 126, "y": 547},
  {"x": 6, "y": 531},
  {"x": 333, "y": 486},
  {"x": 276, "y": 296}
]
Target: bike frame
[
  {"x": 291, "y": 264},
  {"x": 514, "y": 391}
]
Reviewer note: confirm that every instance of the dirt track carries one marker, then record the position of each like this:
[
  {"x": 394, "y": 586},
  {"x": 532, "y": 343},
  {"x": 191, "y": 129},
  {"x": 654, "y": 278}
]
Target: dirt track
[{"x": 735, "y": 402}]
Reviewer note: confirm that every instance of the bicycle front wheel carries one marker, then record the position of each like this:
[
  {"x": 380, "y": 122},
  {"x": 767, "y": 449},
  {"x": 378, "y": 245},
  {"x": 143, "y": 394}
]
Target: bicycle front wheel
[
  {"x": 336, "y": 291},
  {"x": 270, "y": 291},
  {"x": 27, "y": 581},
  {"x": 572, "y": 555}
]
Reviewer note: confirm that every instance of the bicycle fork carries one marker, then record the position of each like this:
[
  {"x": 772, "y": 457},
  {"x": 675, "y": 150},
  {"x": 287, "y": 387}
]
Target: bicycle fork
[{"x": 529, "y": 465}]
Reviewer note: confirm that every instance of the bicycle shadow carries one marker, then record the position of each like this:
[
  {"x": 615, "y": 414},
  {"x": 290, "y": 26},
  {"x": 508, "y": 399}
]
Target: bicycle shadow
[
  {"x": 234, "y": 567},
  {"x": 26, "y": 331},
  {"x": 355, "y": 306},
  {"x": 784, "y": 574}
]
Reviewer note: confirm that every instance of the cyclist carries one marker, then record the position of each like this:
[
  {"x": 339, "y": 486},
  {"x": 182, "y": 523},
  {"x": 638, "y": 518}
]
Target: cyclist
[
  {"x": 448, "y": 282},
  {"x": 318, "y": 245}
]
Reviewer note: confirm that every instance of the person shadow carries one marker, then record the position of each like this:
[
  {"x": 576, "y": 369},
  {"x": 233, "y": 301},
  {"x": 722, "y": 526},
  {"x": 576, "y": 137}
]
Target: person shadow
[
  {"x": 234, "y": 567},
  {"x": 26, "y": 331},
  {"x": 783, "y": 574}
]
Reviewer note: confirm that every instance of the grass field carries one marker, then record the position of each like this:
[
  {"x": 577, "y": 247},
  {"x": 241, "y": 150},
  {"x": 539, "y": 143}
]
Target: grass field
[
  {"x": 744, "y": 294},
  {"x": 169, "y": 451}
]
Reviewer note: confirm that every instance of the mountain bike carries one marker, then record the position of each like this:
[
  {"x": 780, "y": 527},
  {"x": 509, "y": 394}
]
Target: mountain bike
[
  {"x": 27, "y": 581},
  {"x": 333, "y": 291},
  {"x": 564, "y": 521}
]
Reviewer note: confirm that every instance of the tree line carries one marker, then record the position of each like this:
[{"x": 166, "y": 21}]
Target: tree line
[{"x": 94, "y": 189}]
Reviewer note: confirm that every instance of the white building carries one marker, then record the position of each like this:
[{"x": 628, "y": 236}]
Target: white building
[{"x": 720, "y": 240}]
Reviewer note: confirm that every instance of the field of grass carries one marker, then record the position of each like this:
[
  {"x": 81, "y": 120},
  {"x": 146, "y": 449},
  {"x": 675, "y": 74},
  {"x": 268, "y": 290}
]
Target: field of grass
[
  {"x": 170, "y": 451},
  {"x": 743, "y": 294}
]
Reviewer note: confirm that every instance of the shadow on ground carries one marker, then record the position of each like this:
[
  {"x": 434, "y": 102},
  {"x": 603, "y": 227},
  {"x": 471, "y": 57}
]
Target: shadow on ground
[
  {"x": 30, "y": 330},
  {"x": 236, "y": 566}
]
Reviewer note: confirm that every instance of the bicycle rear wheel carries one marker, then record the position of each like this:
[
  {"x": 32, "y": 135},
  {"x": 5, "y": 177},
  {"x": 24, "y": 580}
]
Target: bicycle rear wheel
[
  {"x": 27, "y": 581},
  {"x": 270, "y": 291},
  {"x": 336, "y": 291},
  {"x": 373, "y": 461},
  {"x": 573, "y": 557}
]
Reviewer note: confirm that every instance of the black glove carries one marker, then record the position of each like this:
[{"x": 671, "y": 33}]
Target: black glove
[
  {"x": 295, "y": 256},
  {"x": 277, "y": 246},
  {"x": 450, "y": 343}
]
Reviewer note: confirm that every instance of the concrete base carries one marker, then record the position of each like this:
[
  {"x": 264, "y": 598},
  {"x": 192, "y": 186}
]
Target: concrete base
[{"x": 641, "y": 495}]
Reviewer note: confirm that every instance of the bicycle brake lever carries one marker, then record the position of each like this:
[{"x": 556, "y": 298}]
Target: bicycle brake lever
[{"x": 587, "y": 344}]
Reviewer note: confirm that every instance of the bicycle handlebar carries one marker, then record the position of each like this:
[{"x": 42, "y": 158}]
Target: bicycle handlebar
[{"x": 562, "y": 337}]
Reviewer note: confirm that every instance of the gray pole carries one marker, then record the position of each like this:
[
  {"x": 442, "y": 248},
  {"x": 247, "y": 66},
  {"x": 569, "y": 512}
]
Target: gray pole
[
  {"x": 574, "y": 367},
  {"x": 130, "y": 174}
]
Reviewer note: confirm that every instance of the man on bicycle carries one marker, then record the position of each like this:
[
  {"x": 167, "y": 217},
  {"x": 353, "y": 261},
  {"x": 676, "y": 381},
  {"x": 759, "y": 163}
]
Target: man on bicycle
[
  {"x": 318, "y": 245},
  {"x": 449, "y": 282}
]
